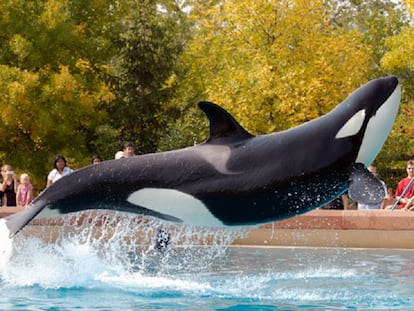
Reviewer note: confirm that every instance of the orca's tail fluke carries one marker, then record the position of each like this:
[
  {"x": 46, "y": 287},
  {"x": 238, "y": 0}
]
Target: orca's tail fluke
[{"x": 19, "y": 220}]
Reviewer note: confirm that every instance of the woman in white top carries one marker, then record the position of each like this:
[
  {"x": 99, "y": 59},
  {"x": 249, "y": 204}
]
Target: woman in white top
[{"x": 60, "y": 170}]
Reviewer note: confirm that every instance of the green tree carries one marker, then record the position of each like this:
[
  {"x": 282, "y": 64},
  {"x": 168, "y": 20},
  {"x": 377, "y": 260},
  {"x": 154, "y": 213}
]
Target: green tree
[
  {"x": 149, "y": 45},
  {"x": 51, "y": 67},
  {"x": 80, "y": 77}
]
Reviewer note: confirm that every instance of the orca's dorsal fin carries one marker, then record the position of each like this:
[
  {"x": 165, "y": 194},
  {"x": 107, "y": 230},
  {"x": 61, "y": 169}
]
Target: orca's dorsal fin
[{"x": 222, "y": 124}]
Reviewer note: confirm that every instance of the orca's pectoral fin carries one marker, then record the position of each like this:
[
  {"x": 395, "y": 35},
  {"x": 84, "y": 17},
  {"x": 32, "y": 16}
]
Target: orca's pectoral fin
[{"x": 365, "y": 187}]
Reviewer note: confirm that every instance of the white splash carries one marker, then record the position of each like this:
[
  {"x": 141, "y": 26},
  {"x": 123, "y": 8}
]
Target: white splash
[
  {"x": 6, "y": 245},
  {"x": 119, "y": 253}
]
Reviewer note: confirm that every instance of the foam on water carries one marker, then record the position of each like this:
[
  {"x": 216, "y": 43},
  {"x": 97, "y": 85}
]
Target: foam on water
[
  {"x": 5, "y": 245},
  {"x": 137, "y": 282},
  {"x": 60, "y": 266}
]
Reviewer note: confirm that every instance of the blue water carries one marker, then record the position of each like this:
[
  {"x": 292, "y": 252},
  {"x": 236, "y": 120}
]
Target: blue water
[{"x": 113, "y": 270}]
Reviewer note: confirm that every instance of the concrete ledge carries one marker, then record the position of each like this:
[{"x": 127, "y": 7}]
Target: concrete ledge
[
  {"x": 329, "y": 238},
  {"x": 332, "y": 228},
  {"x": 349, "y": 219}
]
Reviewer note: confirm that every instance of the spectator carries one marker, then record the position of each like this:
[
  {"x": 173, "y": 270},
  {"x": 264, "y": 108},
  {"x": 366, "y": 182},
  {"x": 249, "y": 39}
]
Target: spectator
[
  {"x": 129, "y": 150},
  {"x": 380, "y": 205},
  {"x": 119, "y": 155},
  {"x": 96, "y": 158},
  {"x": 404, "y": 194},
  {"x": 60, "y": 169},
  {"x": 8, "y": 186},
  {"x": 24, "y": 191}
]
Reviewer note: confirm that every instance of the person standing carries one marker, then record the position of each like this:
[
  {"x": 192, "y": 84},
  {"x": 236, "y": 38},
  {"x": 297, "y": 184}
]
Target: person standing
[
  {"x": 96, "y": 158},
  {"x": 405, "y": 189},
  {"x": 59, "y": 170},
  {"x": 8, "y": 186},
  {"x": 24, "y": 191},
  {"x": 119, "y": 155},
  {"x": 129, "y": 150}
]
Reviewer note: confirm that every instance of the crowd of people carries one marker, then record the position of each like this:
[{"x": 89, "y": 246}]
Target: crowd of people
[
  {"x": 19, "y": 193},
  {"x": 15, "y": 192}
]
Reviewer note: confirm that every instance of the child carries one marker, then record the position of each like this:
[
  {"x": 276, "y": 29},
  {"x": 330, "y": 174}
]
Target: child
[{"x": 24, "y": 191}]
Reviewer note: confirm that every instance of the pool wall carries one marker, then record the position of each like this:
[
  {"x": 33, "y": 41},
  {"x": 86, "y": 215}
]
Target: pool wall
[
  {"x": 335, "y": 228},
  {"x": 318, "y": 228}
]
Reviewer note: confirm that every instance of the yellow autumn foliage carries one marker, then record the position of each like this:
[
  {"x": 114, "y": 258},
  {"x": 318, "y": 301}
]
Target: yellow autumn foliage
[
  {"x": 401, "y": 51},
  {"x": 54, "y": 13},
  {"x": 274, "y": 64},
  {"x": 410, "y": 5}
]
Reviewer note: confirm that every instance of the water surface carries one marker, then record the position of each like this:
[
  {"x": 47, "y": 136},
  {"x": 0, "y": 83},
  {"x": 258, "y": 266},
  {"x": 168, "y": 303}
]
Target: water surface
[{"x": 83, "y": 270}]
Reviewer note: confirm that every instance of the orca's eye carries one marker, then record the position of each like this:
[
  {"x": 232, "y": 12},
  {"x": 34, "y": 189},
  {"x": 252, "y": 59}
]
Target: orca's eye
[{"x": 353, "y": 125}]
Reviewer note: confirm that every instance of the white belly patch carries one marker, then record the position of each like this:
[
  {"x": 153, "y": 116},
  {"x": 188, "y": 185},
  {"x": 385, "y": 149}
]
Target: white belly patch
[{"x": 175, "y": 203}]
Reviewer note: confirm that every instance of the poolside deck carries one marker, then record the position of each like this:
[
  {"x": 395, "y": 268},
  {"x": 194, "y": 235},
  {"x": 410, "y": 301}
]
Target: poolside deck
[{"x": 318, "y": 228}]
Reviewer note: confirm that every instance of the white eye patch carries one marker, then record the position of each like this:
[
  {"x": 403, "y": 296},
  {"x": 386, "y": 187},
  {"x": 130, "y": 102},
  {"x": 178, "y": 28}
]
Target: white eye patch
[{"x": 353, "y": 125}]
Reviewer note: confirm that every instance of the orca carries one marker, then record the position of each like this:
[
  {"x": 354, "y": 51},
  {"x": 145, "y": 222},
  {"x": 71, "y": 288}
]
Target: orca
[{"x": 235, "y": 178}]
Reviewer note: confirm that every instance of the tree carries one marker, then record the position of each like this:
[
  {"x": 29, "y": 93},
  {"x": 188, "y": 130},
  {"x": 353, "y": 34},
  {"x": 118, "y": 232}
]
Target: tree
[
  {"x": 148, "y": 47},
  {"x": 378, "y": 22},
  {"x": 51, "y": 82},
  {"x": 398, "y": 60},
  {"x": 80, "y": 77},
  {"x": 410, "y": 5},
  {"x": 273, "y": 64}
]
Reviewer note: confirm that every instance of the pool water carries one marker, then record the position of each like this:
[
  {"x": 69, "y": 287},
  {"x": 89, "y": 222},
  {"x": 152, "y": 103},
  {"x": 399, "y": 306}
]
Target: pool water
[{"x": 86, "y": 271}]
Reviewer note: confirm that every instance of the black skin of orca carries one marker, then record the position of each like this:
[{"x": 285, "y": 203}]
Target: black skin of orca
[{"x": 266, "y": 178}]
